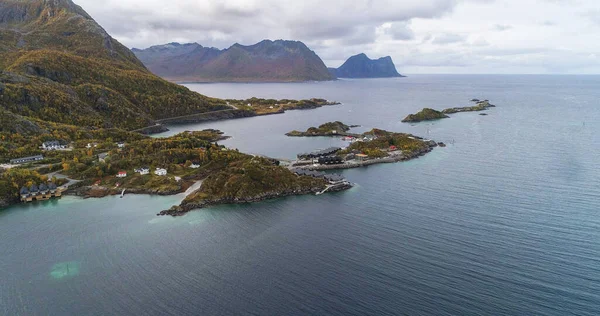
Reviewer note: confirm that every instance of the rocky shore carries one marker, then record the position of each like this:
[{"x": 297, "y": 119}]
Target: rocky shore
[
  {"x": 428, "y": 114},
  {"x": 480, "y": 106},
  {"x": 180, "y": 210}
]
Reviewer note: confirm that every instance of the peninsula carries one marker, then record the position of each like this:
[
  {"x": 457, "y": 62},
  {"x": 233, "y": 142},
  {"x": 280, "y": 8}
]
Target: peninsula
[{"x": 428, "y": 114}]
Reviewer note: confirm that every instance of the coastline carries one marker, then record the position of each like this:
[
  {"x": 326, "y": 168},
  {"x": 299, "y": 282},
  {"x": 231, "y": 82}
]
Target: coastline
[
  {"x": 352, "y": 165},
  {"x": 180, "y": 210},
  {"x": 221, "y": 115}
]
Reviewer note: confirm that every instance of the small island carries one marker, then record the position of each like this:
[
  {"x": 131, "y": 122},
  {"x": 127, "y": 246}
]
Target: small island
[
  {"x": 480, "y": 106},
  {"x": 428, "y": 114},
  {"x": 336, "y": 128},
  {"x": 373, "y": 147}
]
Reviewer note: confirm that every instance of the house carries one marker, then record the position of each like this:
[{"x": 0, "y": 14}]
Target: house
[
  {"x": 43, "y": 189},
  {"x": 122, "y": 174},
  {"x": 90, "y": 145},
  {"x": 195, "y": 165},
  {"x": 26, "y": 159},
  {"x": 393, "y": 148},
  {"x": 33, "y": 189},
  {"x": 24, "y": 193},
  {"x": 102, "y": 157},
  {"x": 143, "y": 170},
  {"x": 160, "y": 172},
  {"x": 121, "y": 145},
  {"x": 53, "y": 145},
  {"x": 52, "y": 187}
]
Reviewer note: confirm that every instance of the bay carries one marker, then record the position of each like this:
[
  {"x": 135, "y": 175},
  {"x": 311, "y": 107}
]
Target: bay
[{"x": 503, "y": 221}]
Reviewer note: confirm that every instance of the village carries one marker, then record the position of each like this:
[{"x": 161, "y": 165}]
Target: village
[{"x": 371, "y": 148}]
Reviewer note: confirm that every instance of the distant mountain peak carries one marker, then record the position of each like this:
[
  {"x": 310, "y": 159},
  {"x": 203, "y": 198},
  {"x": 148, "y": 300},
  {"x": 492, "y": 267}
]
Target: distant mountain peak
[
  {"x": 267, "y": 60},
  {"x": 361, "y": 66}
]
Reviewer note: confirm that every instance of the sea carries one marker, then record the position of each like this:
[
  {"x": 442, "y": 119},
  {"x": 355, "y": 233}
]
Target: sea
[{"x": 503, "y": 221}]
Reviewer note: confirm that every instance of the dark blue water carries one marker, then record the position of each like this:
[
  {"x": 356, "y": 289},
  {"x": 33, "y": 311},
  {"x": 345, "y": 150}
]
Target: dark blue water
[{"x": 506, "y": 221}]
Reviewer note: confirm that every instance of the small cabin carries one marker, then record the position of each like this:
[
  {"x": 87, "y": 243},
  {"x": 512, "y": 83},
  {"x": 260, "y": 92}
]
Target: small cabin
[
  {"x": 195, "y": 165},
  {"x": 122, "y": 174},
  {"x": 160, "y": 172}
]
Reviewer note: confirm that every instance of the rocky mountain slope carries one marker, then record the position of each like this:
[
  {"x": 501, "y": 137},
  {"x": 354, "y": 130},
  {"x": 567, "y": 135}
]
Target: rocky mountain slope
[
  {"x": 267, "y": 61},
  {"x": 59, "y": 65},
  {"x": 361, "y": 66}
]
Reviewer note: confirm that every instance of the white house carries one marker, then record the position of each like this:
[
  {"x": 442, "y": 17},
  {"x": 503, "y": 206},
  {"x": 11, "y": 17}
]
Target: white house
[
  {"x": 143, "y": 171},
  {"x": 160, "y": 172},
  {"x": 122, "y": 174},
  {"x": 121, "y": 145},
  {"x": 52, "y": 145},
  {"x": 90, "y": 145},
  {"x": 195, "y": 165}
]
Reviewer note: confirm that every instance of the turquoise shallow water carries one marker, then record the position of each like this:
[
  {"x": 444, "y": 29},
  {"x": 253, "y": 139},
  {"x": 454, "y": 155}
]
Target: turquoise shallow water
[{"x": 503, "y": 222}]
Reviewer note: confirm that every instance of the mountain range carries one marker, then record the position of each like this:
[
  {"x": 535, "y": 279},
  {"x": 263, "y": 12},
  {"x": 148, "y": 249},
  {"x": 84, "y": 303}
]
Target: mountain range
[
  {"x": 361, "y": 66},
  {"x": 58, "y": 65},
  {"x": 266, "y": 61}
]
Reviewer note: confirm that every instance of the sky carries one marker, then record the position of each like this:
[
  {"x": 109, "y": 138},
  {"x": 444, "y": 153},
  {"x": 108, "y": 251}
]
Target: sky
[{"x": 422, "y": 36}]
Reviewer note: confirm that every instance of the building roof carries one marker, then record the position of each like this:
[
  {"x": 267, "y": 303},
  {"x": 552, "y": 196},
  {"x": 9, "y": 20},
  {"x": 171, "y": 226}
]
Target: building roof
[
  {"x": 52, "y": 143},
  {"x": 52, "y": 186},
  {"x": 24, "y": 190},
  {"x": 33, "y": 188},
  {"x": 122, "y": 172},
  {"x": 29, "y": 158},
  {"x": 43, "y": 187},
  {"x": 102, "y": 155},
  {"x": 323, "y": 152}
]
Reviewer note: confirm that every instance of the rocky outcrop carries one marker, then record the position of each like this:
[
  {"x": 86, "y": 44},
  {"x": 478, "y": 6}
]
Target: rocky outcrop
[
  {"x": 426, "y": 114},
  {"x": 481, "y": 106}
]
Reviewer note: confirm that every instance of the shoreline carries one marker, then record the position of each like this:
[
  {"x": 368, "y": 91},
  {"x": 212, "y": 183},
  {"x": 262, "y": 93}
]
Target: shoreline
[{"x": 221, "y": 115}]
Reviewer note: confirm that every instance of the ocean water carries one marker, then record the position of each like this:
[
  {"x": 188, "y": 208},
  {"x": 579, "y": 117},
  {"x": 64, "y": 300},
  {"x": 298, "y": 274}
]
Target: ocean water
[{"x": 504, "y": 221}]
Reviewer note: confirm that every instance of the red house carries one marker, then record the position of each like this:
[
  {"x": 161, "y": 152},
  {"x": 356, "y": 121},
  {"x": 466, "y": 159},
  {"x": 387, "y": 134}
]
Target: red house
[{"x": 393, "y": 148}]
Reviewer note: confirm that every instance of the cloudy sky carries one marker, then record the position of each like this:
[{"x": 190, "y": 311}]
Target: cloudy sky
[{"x": 422, "y": 36}]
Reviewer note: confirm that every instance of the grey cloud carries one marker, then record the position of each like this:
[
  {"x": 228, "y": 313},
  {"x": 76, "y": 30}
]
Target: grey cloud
[
  {"x": 401, "y": 31},
  {"x": 448, "y": 38},
  {"x": 252, "y": 20}
]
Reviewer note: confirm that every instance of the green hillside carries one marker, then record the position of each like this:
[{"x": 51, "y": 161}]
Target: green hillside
[{"x": 58, "y": 64}]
